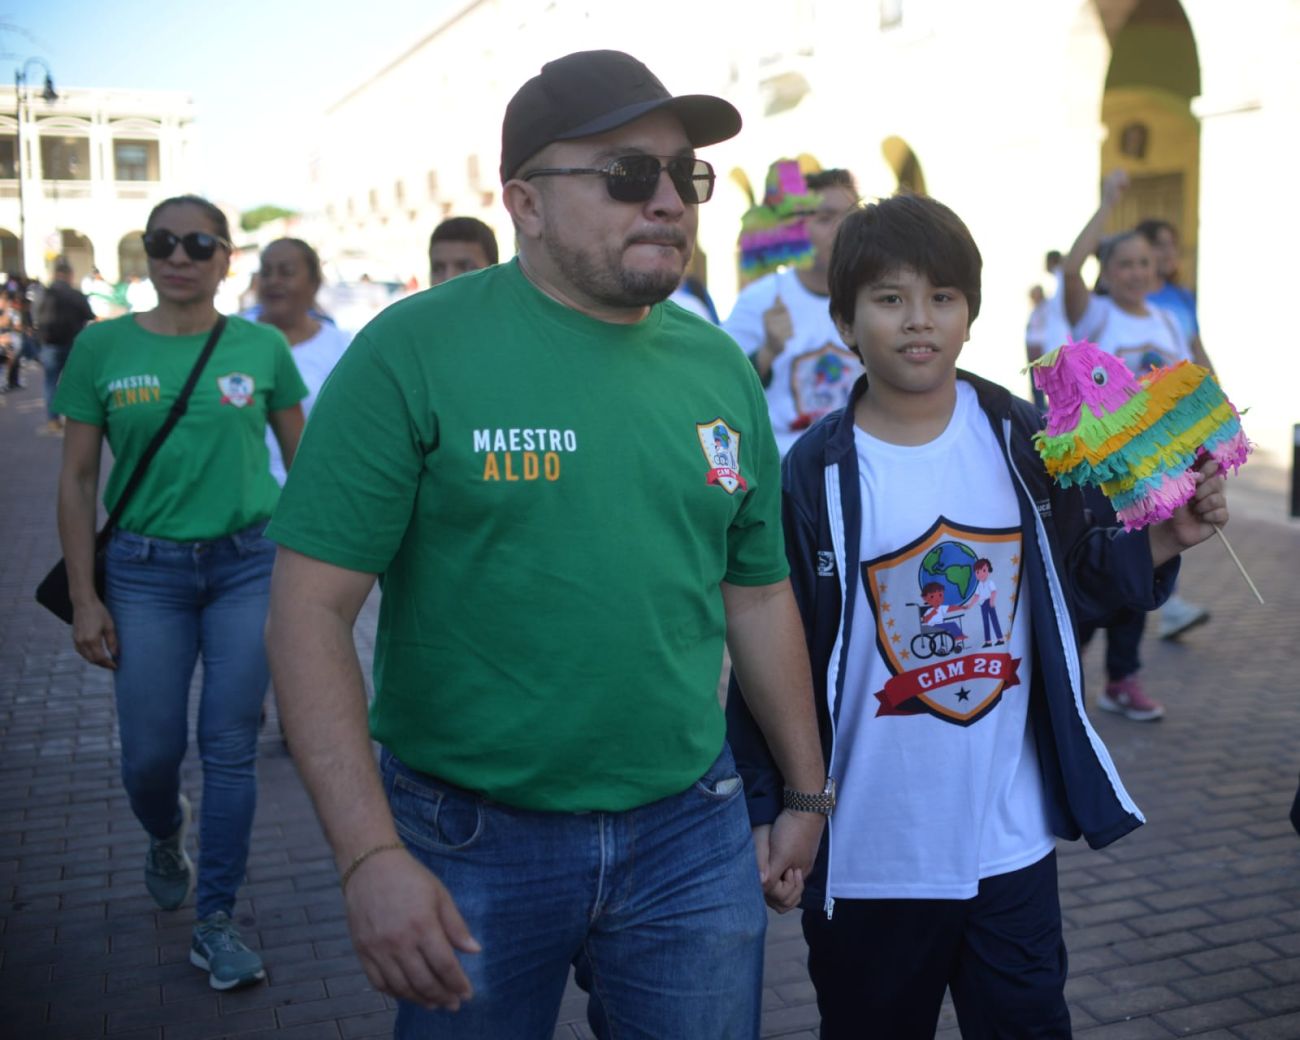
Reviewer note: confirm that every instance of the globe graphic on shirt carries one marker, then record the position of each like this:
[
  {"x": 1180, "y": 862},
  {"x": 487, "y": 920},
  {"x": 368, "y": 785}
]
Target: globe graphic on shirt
[{"x": 952, "y": 565}]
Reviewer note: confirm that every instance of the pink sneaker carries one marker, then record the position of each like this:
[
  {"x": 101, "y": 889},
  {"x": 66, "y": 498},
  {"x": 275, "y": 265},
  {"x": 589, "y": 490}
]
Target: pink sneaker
[{"x": 1126, "y": 697}]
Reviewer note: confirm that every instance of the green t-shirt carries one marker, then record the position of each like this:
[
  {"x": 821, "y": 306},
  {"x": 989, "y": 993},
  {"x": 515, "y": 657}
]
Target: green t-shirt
[
  {"x": 552, "y": 502},
  {"x": 212, "y": 474}
]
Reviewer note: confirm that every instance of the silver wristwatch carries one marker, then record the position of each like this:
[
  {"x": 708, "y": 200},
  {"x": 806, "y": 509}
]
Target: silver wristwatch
[{"x": 802, "y": 801}]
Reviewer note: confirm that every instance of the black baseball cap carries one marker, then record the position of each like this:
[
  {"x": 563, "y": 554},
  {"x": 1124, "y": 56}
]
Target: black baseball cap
[{"x": 589, "y": 92}]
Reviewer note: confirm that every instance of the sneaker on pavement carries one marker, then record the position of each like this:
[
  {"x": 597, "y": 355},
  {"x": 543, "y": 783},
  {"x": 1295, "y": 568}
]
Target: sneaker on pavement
[
  {"x": 168, "y": 871},
  {"x": 218, "y": 950},
  {"x": 1126, "y": 697},
  {"x": 1178, "y": 616}
]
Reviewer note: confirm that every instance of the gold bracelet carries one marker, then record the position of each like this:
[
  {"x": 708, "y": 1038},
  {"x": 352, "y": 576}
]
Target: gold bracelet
[{"x": 352, "y": 867}]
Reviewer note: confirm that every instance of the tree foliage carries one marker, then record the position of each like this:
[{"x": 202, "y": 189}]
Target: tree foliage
[{"x": 252, "y": 219}]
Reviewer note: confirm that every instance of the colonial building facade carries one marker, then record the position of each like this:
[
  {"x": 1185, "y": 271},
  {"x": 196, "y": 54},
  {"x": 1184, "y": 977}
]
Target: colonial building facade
[{"x": 94, "y": 162}]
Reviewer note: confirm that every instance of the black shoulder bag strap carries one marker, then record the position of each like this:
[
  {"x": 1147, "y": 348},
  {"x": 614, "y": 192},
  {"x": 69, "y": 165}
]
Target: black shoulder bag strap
[{"x": 178, "y": 409}]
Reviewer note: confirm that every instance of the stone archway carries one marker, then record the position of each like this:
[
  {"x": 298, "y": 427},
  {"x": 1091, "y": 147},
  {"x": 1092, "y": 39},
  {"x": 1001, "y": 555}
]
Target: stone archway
[
  {"x": 906, "y": 166},
  {"x": 131, "y": 260},
  {"x": 1147, "y": 110}
]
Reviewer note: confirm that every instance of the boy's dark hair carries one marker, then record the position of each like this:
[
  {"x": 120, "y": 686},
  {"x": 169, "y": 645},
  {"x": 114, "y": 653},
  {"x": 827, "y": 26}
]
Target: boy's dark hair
[
  {"x": 931, "y": 586},
  {"x": 823, "y": 179},
  {"x": 467, "y": 229},
  {"x": 1053, "y": 259},
  {"x": 902, "y": 231},
  {"x": 982, "y": 562}
]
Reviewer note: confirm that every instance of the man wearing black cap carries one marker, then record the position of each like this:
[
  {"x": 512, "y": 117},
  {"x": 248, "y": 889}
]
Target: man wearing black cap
[{"x": 571, "y": 490}]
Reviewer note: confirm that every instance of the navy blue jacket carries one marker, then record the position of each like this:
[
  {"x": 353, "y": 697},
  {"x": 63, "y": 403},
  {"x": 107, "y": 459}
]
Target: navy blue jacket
[{"x": 1078, "y": 567}]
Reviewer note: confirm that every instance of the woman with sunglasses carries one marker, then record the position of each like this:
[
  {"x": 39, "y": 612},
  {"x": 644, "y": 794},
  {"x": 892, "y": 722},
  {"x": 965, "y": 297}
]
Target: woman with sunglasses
[
  {"x": 188, "y": 571},
  {"x": 287, "y": 284}
]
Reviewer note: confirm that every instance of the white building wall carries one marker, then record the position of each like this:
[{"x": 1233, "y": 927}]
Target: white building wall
[{"x": 1001, "y": 103}]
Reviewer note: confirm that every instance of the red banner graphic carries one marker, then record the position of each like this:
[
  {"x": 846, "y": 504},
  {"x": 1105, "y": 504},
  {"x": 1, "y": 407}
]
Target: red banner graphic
[
  {"x": 900, "y": 689},
  {"x": 716, "y": 476}
]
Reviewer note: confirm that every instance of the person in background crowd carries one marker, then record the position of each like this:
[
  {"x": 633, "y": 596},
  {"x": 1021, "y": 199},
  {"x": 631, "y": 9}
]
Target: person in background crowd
[
  {"x": 782, "y": 323},
  {"x": 188, "y": 569},
  {"x": 459, "y": 245},
  {"x": 140, "y": 295},
  {"x": 61, "y": 315},
  {"x": 693, "y": 295},
  {"x": 1167, "y": 293},
  {"x": 1177, "y": 615},
  {"x": 571, "y": 493},
  {"x": 1123, "y": 322},
  {"x": 287, "y": 283}
]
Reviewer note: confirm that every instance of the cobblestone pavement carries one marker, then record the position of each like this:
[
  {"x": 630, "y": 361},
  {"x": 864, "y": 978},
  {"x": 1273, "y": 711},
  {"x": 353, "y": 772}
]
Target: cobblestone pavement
[{"x": 1190, "y": 926}]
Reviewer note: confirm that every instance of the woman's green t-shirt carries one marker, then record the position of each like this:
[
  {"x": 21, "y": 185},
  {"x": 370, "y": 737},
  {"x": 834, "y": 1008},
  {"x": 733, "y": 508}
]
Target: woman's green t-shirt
[{"x": 212, "y": 475}]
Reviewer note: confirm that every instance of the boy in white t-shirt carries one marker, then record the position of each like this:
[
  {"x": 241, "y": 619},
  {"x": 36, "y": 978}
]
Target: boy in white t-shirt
[
  {"x": 957, "y": 767},
  {"x": 782, "y": 322}
]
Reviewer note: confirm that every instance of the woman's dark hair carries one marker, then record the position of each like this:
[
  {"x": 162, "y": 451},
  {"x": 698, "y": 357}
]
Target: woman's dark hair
[
  {"x": 308, "y": 255},
  {"x": 1150, "y": 229},
  {"x": 213, "y": 212},
  {"x": 902, "y": 231}
]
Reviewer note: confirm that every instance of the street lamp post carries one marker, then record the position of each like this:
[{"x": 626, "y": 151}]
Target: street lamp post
[{"x": 20, "y": 83}]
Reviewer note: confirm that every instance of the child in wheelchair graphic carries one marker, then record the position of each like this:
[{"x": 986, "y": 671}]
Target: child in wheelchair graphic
[{"x": 941, "y": 632}]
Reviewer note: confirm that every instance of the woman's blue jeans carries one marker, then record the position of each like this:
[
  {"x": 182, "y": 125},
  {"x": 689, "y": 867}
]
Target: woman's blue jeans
[
  {"x": 659, "y": 908},
  {"x": 171, "y": 603}
]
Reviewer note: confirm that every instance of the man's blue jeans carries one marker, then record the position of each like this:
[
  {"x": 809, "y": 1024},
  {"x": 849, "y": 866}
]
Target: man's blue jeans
[
  {"x": 659, "y": 908},
  {"x": 171, "y": 602},
  {"x": 52, "y": 360}
]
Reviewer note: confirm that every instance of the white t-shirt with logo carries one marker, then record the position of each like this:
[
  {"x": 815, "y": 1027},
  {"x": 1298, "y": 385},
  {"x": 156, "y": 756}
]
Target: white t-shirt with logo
[
  {"x": 815, "y": 372},
  {"x": 938, "y": 775},
  {"x": 1141, "y": 342},
  {"x": 315, "y": 358}
]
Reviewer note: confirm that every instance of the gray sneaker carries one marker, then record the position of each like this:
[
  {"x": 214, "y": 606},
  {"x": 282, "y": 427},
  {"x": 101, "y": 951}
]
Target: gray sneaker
[
  {"x": 168, "y": 872},
  {"x": 1178, "y": 616},
  {"x": 218, "y": 950}
]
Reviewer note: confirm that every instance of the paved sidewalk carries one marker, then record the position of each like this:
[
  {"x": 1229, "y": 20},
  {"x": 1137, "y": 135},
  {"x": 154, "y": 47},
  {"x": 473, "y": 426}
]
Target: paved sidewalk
[{"x": 1191, "y": 926}]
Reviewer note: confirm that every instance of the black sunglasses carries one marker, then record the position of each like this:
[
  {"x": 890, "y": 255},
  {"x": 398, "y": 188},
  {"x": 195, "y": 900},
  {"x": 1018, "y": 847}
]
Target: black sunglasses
[
  {"x": 198, "y": 245},
  {"x": 635, "y": 178}
]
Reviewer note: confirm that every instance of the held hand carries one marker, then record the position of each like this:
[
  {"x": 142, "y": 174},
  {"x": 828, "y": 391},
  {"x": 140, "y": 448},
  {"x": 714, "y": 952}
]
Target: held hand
[
  {"x": 778, "y": 327},
  {"x": 1195, "y": 521},
  {"x": 94, "y": 634},
  {"x": 406, "y": 930},
  {"x": 792, "y": 850},
  {"x": 781, "y": 893}
]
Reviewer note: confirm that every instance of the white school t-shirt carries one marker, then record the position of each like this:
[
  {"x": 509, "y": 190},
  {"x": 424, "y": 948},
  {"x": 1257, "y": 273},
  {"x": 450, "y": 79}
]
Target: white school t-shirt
[
  {"x": 814, "y": 373},
  {"x": 315, "y": 358},
  {"x": 1141, "y": 342},
  {"x": 939, "y": 783}
]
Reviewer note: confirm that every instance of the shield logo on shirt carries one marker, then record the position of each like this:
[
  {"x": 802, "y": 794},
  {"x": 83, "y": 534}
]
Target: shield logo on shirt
[
  {"x": 236, "y": 388},
  {"x": 721, "y": 446},
  {"x": 942, "y": 625},
  {"x": 820, "y": 381}
]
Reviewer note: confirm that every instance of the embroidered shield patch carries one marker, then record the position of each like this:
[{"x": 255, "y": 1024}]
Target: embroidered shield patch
[{"x": 721, "y": 447}]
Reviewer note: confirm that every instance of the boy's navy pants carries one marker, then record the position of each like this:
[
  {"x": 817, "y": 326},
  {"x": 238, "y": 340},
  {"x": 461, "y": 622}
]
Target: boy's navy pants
[{"x": 880, "y": 966}]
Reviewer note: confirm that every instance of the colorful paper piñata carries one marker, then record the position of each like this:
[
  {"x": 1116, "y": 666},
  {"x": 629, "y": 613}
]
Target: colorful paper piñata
[
  {"x": 772, "y": 233},
  {"x": 1135, "y": 437}
]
